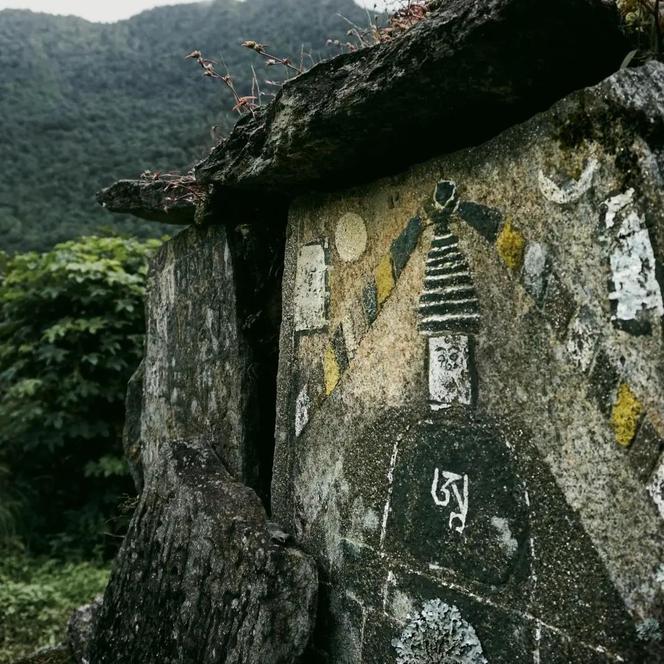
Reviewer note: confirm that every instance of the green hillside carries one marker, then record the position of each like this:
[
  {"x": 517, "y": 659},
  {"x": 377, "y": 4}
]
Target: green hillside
[{"x": 83, "y": 104}]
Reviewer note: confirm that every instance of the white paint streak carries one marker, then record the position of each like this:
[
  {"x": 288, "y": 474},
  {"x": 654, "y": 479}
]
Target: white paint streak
[
  {"x": 534, "y": 269},
  {"x": 449, "y": 371},
  {"x": 507, "y": 541},
  {"x": 571, "y": 191},
  {"x": 446, "y": 318},
  {"x": 531, "y": 541},
  {"x": 538, "y": 638},
  {"x": 656, "y": 486},
  {"x": 446, "y": 276},
  {"x": 632, "y": 260},
  {"x": 390, "y": 580},
  {"x": 302, "y": 404},
  {"x": 583, "y": 334},
  {"x": 390, "y": 481},
  {"x": 455, "y": 265},
  {"x": 310, "y": 288}
]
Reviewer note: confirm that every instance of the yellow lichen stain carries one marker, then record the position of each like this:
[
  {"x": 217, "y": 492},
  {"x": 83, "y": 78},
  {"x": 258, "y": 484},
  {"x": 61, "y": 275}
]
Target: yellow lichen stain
[
  {"x": 625, "y": 415},
  {"x": 384, "y": 279},
  {"x": 510, "y": 245},
  {"x": 331, "y": 370}
]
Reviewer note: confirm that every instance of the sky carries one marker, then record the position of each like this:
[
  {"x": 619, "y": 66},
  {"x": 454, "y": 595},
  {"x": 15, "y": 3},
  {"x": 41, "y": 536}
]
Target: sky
[{"x": 110, "y": 10}]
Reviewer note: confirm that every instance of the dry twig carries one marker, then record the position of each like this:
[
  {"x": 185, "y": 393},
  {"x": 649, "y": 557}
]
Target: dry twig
[
  {"x": 245, "y": 104},
  {"x": 270, "y": 59}
]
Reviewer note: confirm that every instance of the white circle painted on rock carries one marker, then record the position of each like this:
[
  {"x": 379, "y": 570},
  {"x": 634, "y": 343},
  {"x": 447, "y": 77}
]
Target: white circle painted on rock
[{"x": 350, "y": 237}]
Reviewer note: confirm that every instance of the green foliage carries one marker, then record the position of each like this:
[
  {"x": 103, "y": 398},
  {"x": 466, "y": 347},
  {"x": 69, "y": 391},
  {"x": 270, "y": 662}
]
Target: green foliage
[
  {"x": 71, "y": 334},
  {"x": 644, "y": 24},
  {"x": 37, "y": 596},
  {"x": 84, "y": 104}
]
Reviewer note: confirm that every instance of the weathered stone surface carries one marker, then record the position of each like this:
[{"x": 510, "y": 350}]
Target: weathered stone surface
[
  {"x": 153, "y": 200},
  {"x": 201, "y": 577},
  {"x": 131, "y": 434},
  {"x": 196, "y": 376},
  {"x": 522, "y": 521},
  {"x": 80, "y": 630},
  {"x": 470, "y": 70}
]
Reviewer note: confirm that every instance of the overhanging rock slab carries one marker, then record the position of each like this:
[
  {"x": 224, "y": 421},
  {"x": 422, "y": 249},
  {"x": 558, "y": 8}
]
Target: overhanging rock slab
[
  {"x": 468, "y": 71},
  {"x": 154, "y": 200}
]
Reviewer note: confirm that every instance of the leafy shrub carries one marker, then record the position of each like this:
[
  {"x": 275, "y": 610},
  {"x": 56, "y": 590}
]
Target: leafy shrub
[
  {"x": 37, "y": 596},
  {"x": 644, "y": 22},
  {"x": 71, "y": 334}
]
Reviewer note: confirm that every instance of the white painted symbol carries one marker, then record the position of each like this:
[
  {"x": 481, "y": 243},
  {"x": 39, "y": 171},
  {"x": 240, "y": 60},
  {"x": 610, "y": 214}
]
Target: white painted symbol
[
  {"x": 449, "y": 371},
  {"x": 571, "y": 191},
  {"x": 656, "y": 487},
  {"x": 311, "y": 288},
  {"x": 451, "y": 480},
  {"x": 302, "y": 404},
  {"x": 632, "y": 260}
]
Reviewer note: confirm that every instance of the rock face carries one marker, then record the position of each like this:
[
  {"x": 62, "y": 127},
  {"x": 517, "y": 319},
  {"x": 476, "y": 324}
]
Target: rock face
[
  {"x": 470, "y": 397},
  {"x": 199, "y": 577},
  {"x": 471, "y": 394},
  {"x": 131, "y": 434},
  {"x": 80, "y": 630}
]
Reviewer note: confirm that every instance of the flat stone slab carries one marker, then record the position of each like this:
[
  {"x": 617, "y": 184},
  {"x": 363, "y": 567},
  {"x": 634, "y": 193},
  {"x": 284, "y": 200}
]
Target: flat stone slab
[
  {"x": 467, "y": 72},
  {"x": 154, "y": 201}
]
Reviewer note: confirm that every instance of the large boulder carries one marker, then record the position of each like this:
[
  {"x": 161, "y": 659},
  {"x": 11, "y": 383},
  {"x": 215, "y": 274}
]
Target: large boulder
[
  {"x": 80, "y": 629},
  {"x": 200, "y": 576},
  {"x": 471, "y": 394}
]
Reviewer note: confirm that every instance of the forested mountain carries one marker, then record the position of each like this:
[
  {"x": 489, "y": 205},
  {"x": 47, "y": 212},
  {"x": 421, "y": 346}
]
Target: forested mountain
[{"x": 83, "y": 104}]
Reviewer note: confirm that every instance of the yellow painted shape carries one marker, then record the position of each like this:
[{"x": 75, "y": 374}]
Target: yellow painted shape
[
  {"x": 384, "y": 279},
  {"x": 510, "y": 245},
  {"x": 331, "y": 370},
  {"x": 625, "y": 415}
]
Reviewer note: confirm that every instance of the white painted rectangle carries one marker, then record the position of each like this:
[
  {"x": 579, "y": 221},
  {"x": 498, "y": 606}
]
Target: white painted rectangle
[
  {"x": 310, "y": 288},
  {"x": 449, "y": 371},
  {"x": 633, "y": 275},
  {"x": 656, "y": 486}
]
